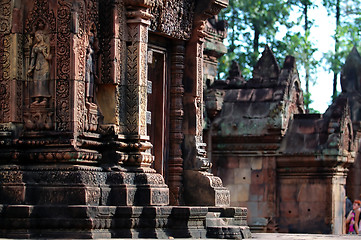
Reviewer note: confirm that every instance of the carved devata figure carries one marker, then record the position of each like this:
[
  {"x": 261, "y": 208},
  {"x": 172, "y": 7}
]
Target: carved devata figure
[
  {"x": 91, "y": 76},
  {"x": 39, "y": 70},
  {"x": 91, "y": 79}
]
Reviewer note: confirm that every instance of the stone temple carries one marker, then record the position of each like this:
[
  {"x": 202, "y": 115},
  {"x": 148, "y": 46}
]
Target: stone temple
[
  {"x": 101, "y": 121},
  {"x": 290, "y": 169},
  {"x": 113, "y": 125}
]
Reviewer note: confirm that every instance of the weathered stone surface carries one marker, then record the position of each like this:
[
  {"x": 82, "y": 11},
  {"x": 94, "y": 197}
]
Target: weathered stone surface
[
  {"x": 211, "y": 192},
  {"x": 94, "y": 95},
  {"x": 263, "y": 140}
]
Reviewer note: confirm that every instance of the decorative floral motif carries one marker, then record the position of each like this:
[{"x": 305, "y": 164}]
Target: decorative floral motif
[
  {"x": 173, "y": 17},
  {"x": 4, "y": 78},
  {"x": 5, "y": 16},
  {"x": 63, "y": 67}
]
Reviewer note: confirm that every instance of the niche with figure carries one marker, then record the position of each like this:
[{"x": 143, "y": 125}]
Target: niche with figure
[{"x": 39, "y": 86}]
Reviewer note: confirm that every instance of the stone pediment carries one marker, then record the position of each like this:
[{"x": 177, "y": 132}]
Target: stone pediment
[
  {"x": 351, "y": 73},
  {"x": 264, "y": 104},
  {"x": 267, "y": 67},
  {"x": 351, "y": 83},
  {"x": 319, "y": 135}
]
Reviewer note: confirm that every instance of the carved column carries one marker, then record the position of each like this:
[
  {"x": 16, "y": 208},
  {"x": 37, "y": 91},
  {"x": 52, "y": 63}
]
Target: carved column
[
  {"x": 136, "y": 83},
  {"x": 195, "y": 157},
  {"x": 10, "y": 60},
  {"x": 175, "y": 164},
  {"x": 201, "y": 187},
  {"x": 63, "y": 85}
]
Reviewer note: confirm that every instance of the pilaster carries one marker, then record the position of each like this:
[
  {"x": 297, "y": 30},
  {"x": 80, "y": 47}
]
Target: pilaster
[
  {"x": 136, "y": 83},
  {"x": 196, "y": 163},
  {"x": 175, "y": 164}
]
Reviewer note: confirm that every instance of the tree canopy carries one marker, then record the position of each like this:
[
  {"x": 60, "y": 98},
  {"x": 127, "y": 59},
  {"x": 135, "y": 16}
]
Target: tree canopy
[{"x": 286, "y": 25}]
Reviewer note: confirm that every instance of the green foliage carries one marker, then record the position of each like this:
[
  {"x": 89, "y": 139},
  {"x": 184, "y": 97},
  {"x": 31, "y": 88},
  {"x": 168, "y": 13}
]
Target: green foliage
[
  {"x": 252, "y": 25},
  {"x": 347, "y": 34},
  {"x": 255, "y": 23}
]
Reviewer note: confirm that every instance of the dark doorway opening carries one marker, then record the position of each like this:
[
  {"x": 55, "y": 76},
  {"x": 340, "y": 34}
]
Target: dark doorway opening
[{"x": 158, "y": 102}]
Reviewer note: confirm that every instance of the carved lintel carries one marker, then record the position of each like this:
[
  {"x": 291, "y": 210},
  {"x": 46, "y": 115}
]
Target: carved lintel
[{"x": 173, "y": 18}]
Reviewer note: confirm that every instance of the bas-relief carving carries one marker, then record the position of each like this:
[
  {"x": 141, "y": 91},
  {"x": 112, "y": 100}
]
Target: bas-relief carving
[
  {"x": 136, "y": 92},
  {"x": 91, "y": 81},
  {"x": 5, "y": 16},
  {"x": 85, "y": 28},
  {"x": 39, "y": 70},
  {"x": 91, "y": 78},
  {"x": 175, "y": 164},
  {"x": 5, "y": 40},
  {"x": 4, "y": 78},
  {"x": 38, "y": 50},
  {"x": 63, "y": 115},
  {"x": 91, "y": 74},
  {"x": 174, "y": 18}
]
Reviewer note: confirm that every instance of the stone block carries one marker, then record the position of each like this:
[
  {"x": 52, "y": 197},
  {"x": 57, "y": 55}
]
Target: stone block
[
  {"x": 203, "y": 188},
  {"x": 252, "y": 210},
  {"x": 270, "y": 175},
  {"x": 314, "y": 210},
  {"x": 41, "y": 194},
  {"x": 241, "y": 175},
  {"x": 227, "y": 175},
  {"x": 305, "y": 126},
  {"x": 309, "y": 192},
  {"x": 12, "y": 194},
  {"x": 116, "y": 196},
  {"x": 288, "y": 192},
  {"x": 228, "y": 162},
  {"x": 245, "y": 162},
  {"x": 256, "y": 163},
  {"x": 289, "y": 209},
  {"x": 243, "y": 95},
  {"x": 257, "y": 192},
  {"x": 312, "y": 141},
  {"x": 262, "y": 95},
  {"x": 269, "y": 163},
  {"x": 239, "y": 192},
  {"x": 263, "y": 209},
  {"x": 257, "y": 176},
  {"x": 232, "y": 94}
]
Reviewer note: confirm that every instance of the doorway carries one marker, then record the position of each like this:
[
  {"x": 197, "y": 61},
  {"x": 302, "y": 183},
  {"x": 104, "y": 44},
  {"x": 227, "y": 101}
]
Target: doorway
[{"x": 158, "y": 104}]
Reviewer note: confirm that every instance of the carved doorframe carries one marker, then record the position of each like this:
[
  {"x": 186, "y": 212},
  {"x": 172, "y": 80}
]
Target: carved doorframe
[{"x": 158, "y": 103}]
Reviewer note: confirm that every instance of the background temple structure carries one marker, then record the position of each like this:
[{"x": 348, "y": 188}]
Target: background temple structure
[
  {"x": 290, "y": 169},
  {"x": 101, "y": 121}
]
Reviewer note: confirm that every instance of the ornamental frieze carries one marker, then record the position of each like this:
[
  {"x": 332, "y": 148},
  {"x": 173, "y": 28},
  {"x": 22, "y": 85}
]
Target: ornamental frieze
[{"x": 173, "y": 18}]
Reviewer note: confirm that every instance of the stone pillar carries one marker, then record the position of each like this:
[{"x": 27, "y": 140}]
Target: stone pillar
[
  {"x": 206, "y": 189},
  {"x": 11, "y": 77},
  {"x": 136, "y": 83},
  {"x": 175, "y": 164}
]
